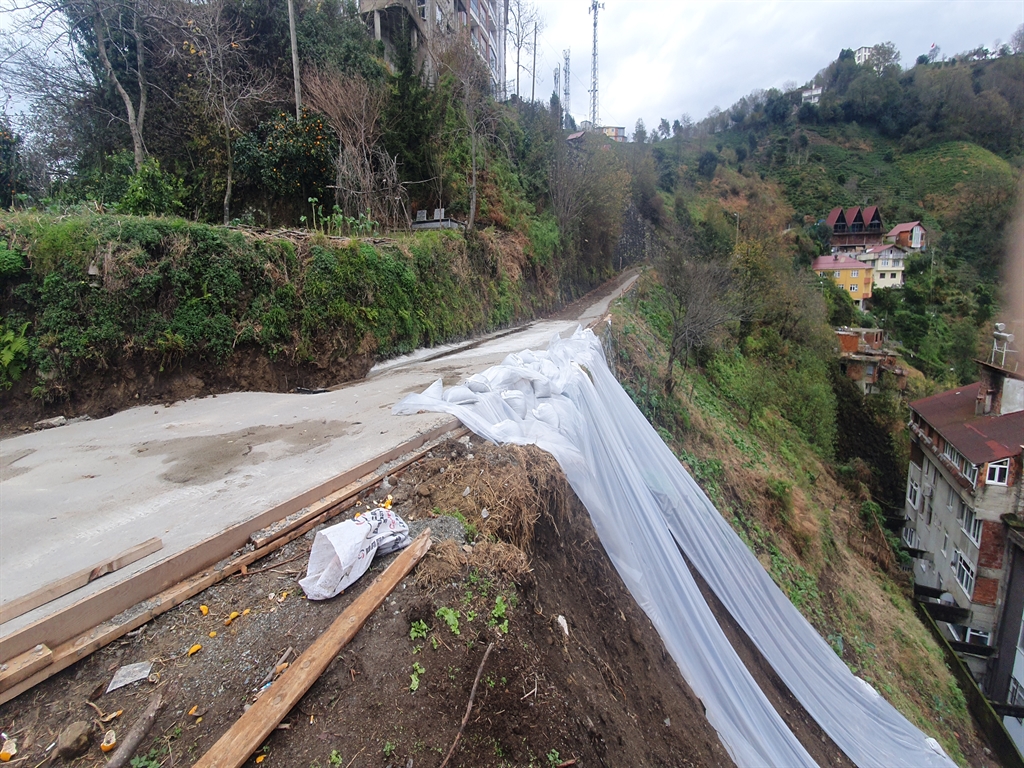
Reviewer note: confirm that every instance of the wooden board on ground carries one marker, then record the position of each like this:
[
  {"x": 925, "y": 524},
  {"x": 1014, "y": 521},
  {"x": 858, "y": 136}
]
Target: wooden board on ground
[
  {"x": 245, "y": 736},
  {"x": 81, "y": 618},
  {"x": 17, "y": 669},
  {"x": 14, "y": 608}
]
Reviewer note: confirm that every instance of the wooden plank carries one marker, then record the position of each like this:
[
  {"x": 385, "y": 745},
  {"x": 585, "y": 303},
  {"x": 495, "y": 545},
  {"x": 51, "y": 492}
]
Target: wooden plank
[
  {"x": 14, "y": 608},
  {"x": 920, "y": 590},
  {"x": 25, "y": 665},
  {"x": 363, "y": 484},
  {"x": 95, "y": 638},
  {"x": 974, "y": 649},
  {"x": 233, "y": 749},
  {"x": 83, "y": 616}
]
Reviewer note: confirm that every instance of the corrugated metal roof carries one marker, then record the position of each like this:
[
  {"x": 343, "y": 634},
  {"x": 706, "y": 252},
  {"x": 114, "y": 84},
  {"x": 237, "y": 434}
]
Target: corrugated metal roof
[{"x": 980, "y": 439}]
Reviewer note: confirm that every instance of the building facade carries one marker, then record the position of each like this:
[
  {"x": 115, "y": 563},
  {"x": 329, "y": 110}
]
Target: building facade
[
  {"x": 886, "y": 262},
  {"x": 866, "y": 361},
  {"x": 964, "y": 481},
  {"x": 855, "y": 229},
  {"x": 431, "y": 21},
  {"x": 849, "y": 274},
  {"x": 910, "y": 235}
]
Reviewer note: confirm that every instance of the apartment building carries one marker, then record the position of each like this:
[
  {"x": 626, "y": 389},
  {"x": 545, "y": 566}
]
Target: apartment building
[
  {"x": 856, "y": 228},
  {"x": 886, "y": 262},
  {"x": 964, "y": 484},
  {"x": 430, "y": 21},
  {"x": 848, "y": 273}
]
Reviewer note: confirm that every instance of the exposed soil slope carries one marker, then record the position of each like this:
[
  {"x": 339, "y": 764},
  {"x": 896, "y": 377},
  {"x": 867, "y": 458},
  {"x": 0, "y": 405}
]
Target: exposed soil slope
[{"x": 605, "y": 693}]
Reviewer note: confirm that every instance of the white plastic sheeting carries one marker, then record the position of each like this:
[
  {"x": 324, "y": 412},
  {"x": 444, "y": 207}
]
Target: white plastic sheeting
[{"x": 645, "y": 508}]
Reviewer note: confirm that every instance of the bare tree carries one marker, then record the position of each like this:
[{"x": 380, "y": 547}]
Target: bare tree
[
  {"x": 367, "y": 177},
  {"x": 460, "y": 61},
  {"x": 214, "y": 43},
  {"x": 46, "y": 63},
  {"x": 697, "y": 296},
  {"x": 523, "y": 23}
]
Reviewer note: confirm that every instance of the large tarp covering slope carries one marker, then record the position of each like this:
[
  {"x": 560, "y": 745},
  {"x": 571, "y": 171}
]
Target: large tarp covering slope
[{"x": 646, "y": 508}]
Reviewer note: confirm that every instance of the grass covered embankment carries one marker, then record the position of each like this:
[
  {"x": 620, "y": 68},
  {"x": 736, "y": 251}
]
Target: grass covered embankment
[{"x": 102, "y": 311}]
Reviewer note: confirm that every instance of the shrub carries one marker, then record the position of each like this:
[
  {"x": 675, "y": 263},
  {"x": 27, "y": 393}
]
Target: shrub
[{"x": 152, "y": 191}]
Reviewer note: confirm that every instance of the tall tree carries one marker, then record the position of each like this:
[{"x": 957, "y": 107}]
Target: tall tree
[
  {"x": 523, "y": 23},
  {"x": 471, "y": 80},
  {"x": 215, "y": 45}
]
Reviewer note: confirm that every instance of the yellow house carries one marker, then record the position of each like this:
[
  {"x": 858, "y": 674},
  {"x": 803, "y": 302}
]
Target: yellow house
[{"x": 849, "y": 274}]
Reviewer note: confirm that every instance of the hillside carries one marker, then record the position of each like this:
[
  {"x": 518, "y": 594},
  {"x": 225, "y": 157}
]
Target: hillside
[{"x": 807, "y": 517}]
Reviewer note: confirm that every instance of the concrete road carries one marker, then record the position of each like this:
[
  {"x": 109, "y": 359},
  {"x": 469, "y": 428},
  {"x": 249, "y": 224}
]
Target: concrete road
[{"x": 74, "y": 495}]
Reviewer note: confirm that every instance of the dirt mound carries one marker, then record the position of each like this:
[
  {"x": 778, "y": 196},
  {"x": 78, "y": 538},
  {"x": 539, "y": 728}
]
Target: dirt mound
[{"x": 577, "y": 672}]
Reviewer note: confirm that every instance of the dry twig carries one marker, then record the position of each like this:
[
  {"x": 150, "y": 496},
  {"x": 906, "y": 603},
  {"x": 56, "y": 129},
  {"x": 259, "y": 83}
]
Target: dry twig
[{"x": 469, "y": 706}]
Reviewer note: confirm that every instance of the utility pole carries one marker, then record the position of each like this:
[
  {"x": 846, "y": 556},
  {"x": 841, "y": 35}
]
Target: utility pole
[
  {"x": 533, "y": 72},
  {"x": 295, "y": 60},
  {"x": 594, "y": 8},
  {"x": 565, "y": 100},
  {"x": 557, "y": 79}
]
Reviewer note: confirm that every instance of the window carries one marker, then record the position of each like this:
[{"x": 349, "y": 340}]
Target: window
[
  {"x": 853, "y": 287},
  {"x": 964, "y": 571},
  {"x": 950, "y": 498},
  {"x": 421, "y": 6},
  {"x": 841, "y": 286},
  {"x": 967, "y": 469},
  {"x": 914, "y": 493},
  {"x": 855, "y": 273},
  {"x": 977, "y": 636},
  {"x": 837, "y": 274},
  {"x": 997, "y": 472},
  {"x": 945, "y": 541},
  {"x": 885, "y": 262},
  {"x": 893, "y": 275},
  {"x": 1015, "y": 695},
  {"x": 970, "y": 523}
]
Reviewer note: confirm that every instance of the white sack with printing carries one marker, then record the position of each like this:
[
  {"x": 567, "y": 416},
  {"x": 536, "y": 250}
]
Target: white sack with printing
[{"x": 343, "y": 552}]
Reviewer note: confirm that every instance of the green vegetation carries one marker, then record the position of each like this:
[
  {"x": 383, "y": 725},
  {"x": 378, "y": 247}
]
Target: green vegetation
[{"x": 450, "y": 617}]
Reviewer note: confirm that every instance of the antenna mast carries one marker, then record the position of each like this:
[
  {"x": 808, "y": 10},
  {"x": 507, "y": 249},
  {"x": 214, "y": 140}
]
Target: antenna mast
[
  {"x": 594, "y": 7},
  {"x": 566, "y": 110},
  {"x": 557, "y": 80}
]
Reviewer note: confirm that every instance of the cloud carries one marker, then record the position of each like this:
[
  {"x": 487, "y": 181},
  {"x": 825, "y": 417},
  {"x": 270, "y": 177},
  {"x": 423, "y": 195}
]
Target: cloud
[{"x": 661, "y": 58}]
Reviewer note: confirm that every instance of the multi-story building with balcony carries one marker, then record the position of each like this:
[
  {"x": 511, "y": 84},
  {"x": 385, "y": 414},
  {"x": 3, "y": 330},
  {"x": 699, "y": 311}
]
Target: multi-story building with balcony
[
  {"x": 431, "y": 21},
  {"x": 964, "y": 484},
  {"x": 848, "y": 273}
]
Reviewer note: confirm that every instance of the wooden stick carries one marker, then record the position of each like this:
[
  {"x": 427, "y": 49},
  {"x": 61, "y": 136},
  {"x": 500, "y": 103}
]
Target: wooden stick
[
  {"x": 245, "y": 736},
  {"x": 469, "y": 707},
  {"x": 126, "y": 749},
  {"x": 48, "y": 592}
]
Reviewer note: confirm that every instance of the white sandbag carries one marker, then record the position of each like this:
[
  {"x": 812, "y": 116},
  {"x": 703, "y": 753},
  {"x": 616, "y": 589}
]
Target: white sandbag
[
  {"x": 460, "y": 395},
  {"x": 342, "y": 553}
]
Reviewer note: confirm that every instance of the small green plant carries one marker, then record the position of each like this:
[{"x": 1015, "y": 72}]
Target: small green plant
[
  {"x": 418, "y": 630},
  {"x": 434, "y": 642},
  {"x": 152, "y": 759},
  {"x": 470, "y": 615},
  {"x": 469, "y": 528},
  {"x": 499, "y": 615},
  {"x": 11, "y": 261},
  {"x": 389, "y": 748},
  {"x": 417, "y": 648},
  {"x": 450, "y": 617},
  {"x": 414, "y": 678},
  {"x": 554, "y": 758},
  {"x": 13, "y": 354},
  {"x": 335, "y": 758}
]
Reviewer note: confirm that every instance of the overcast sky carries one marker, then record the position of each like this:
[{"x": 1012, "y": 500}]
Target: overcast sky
[{"x": 661, "y": 58}]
